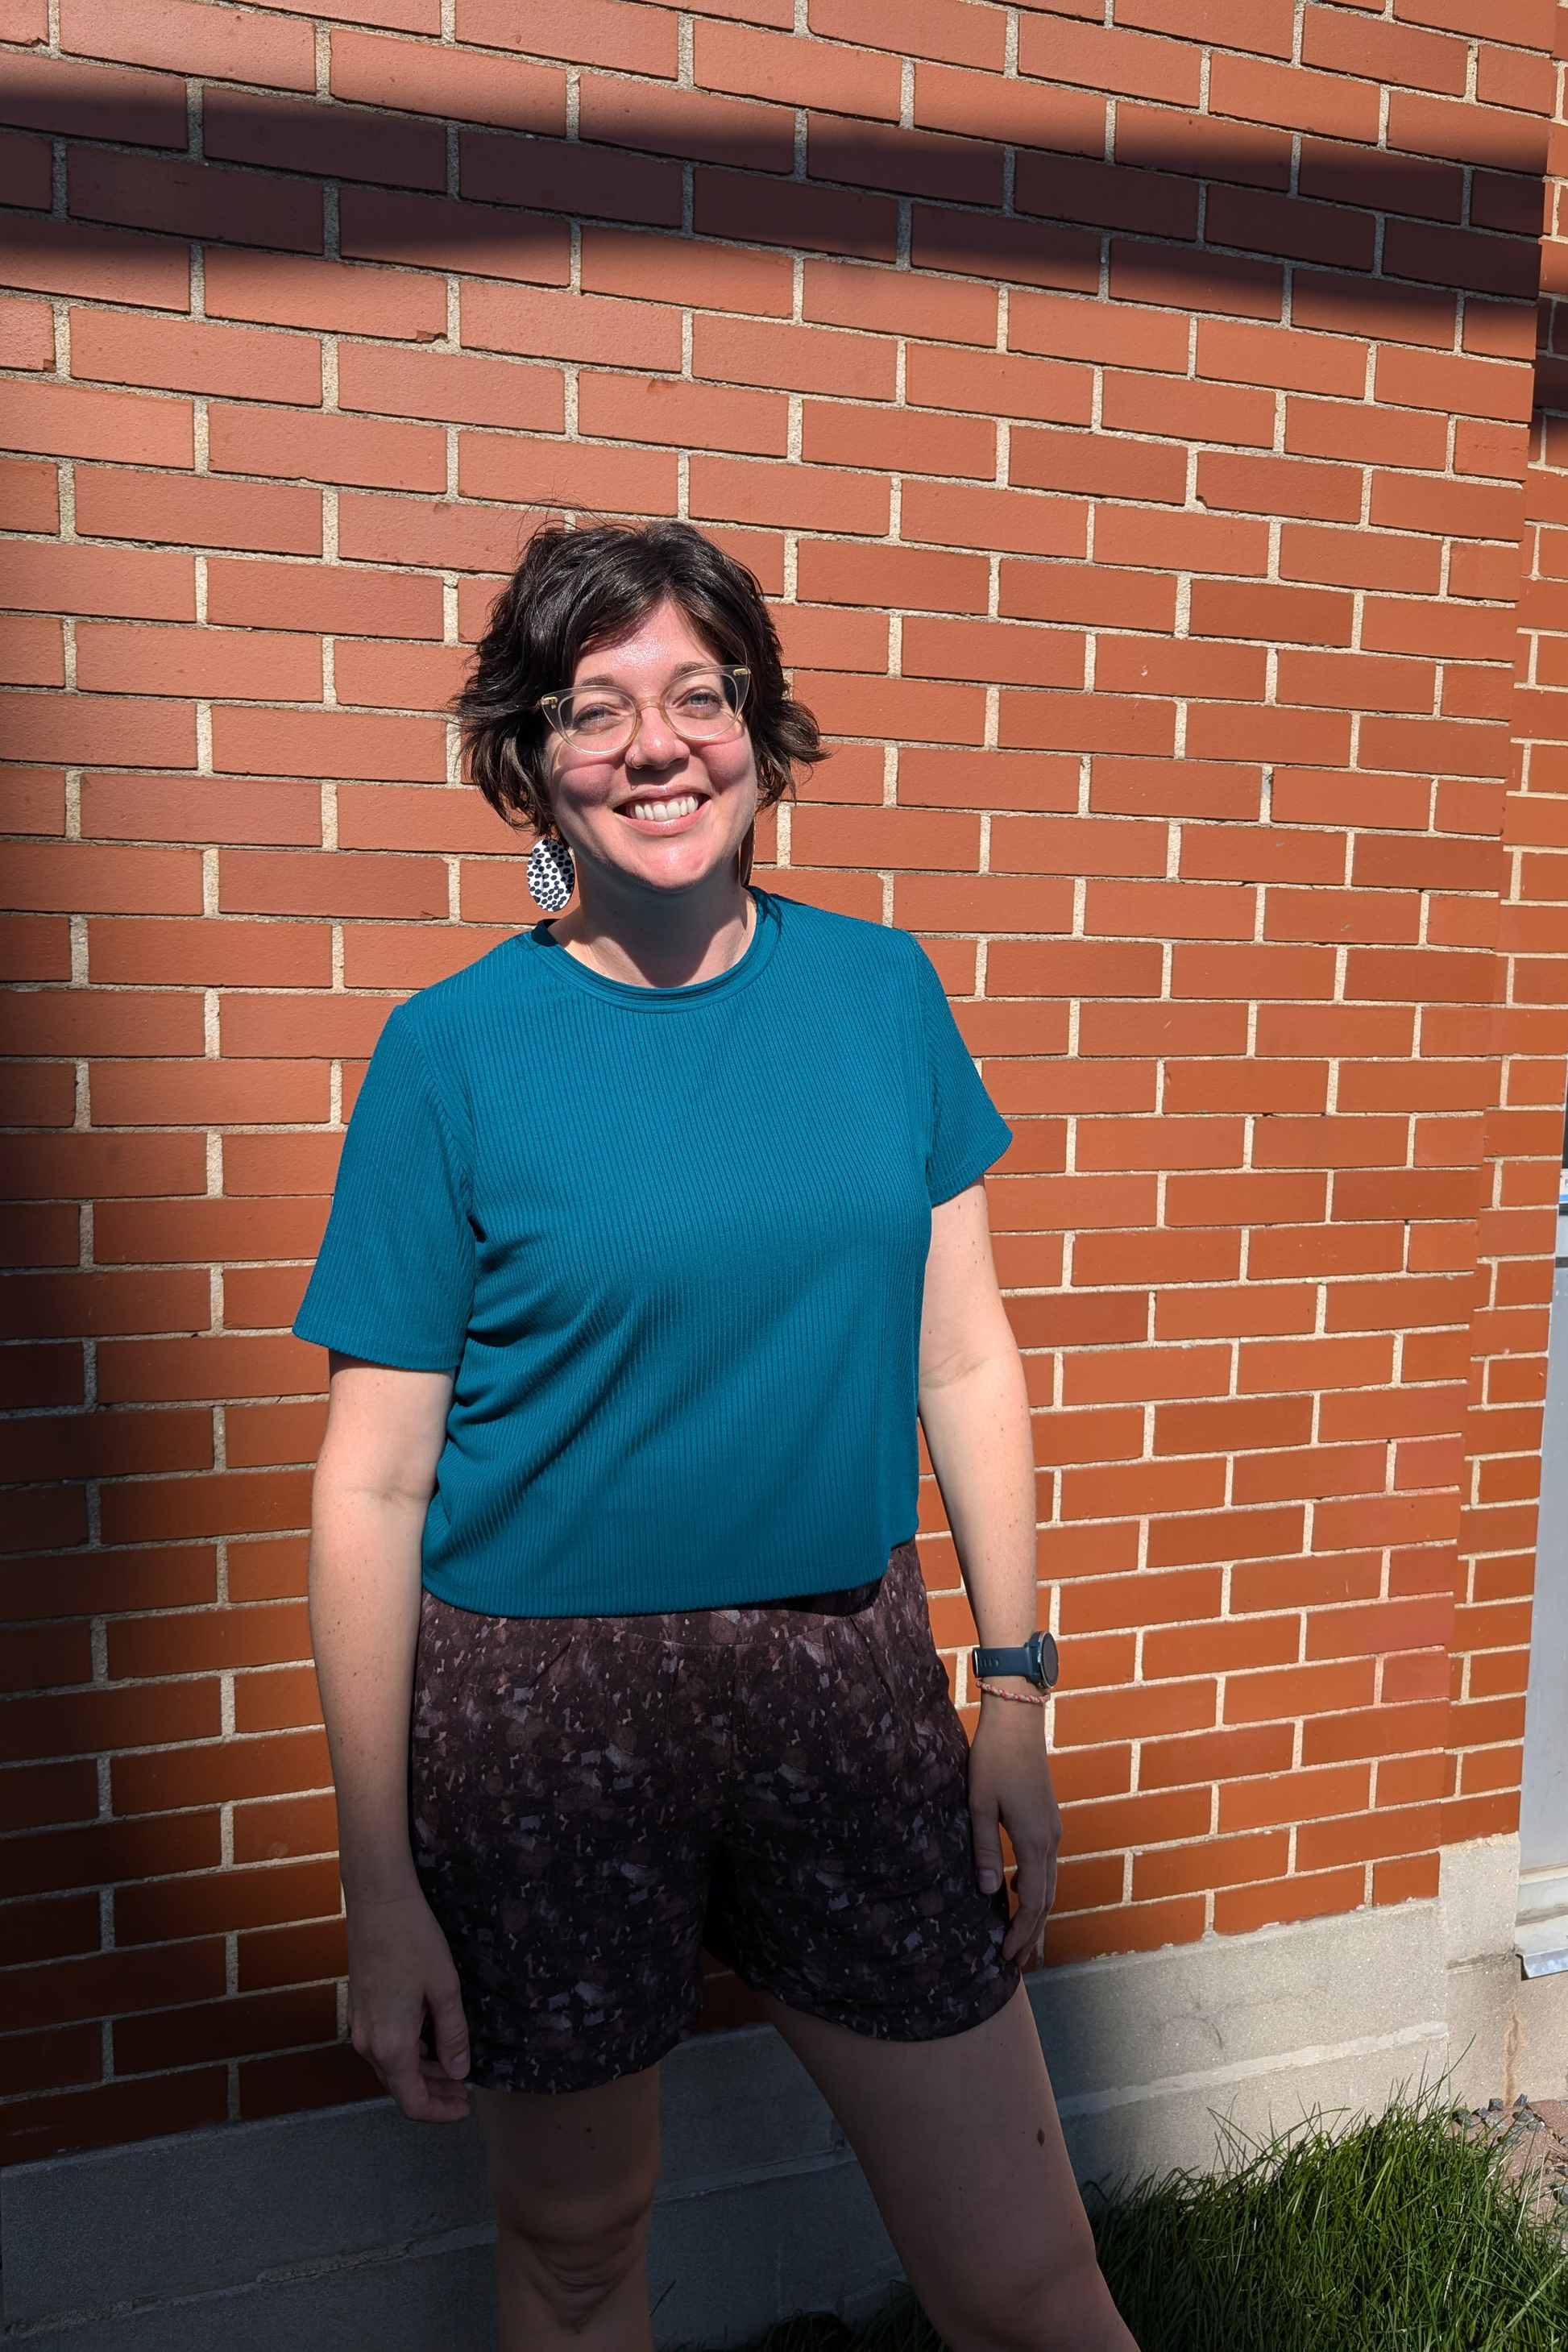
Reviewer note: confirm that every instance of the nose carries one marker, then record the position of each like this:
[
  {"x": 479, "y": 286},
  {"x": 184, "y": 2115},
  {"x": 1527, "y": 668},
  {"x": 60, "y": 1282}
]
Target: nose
[{"x": 655, "y": 743}]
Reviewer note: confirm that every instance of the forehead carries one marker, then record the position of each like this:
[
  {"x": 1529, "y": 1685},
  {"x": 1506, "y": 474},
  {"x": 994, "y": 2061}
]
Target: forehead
[{"x": 662, "y": 643}]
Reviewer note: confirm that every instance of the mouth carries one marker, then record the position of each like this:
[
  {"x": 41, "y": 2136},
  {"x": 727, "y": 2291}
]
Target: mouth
[{"x": 666, "y": 811}]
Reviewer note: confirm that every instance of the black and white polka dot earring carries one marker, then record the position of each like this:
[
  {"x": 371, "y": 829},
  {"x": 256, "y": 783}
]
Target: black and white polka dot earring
[{"x": 552, "y": 876}]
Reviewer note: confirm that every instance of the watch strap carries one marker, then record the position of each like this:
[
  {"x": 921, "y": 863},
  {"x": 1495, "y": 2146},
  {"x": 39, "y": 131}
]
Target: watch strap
[{"x": 1036, "y": 1662}]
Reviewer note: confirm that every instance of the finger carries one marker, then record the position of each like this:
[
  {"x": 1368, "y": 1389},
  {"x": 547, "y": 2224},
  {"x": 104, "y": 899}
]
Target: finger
[
  {"x": 449, "y": 2030},
  {"x": 985, "y": 1831},
  {"x": 446, "y": 2101},
  {"x": 1029, "y": 1886}
]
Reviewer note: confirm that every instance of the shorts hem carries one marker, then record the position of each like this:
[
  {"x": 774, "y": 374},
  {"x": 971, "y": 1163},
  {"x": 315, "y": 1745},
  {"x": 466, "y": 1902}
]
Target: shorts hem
[
  {"x": 555, "y": 2077},
  {"x": 907, "y": 2027}
]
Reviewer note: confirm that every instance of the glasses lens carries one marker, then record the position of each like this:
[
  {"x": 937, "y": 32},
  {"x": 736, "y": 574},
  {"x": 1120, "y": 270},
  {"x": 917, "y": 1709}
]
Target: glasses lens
[
  {"x": 598, "y": 718},
  {"x": 705, "y": 704}
]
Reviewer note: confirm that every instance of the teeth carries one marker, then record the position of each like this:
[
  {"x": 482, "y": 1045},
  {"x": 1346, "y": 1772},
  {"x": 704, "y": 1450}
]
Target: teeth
[{"x": 664, "y": 811}]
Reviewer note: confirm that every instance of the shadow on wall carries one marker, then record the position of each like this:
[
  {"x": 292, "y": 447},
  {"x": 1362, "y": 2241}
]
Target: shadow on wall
[{"x": 1193, "y": 208}]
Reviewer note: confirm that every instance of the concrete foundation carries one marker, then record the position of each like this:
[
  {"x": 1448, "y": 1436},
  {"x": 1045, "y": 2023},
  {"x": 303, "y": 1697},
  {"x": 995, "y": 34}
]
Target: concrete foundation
[{"x": 350, "y": 2231}]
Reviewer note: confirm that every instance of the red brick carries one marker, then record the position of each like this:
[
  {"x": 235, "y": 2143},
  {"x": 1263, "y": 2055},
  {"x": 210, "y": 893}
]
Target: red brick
[
  {"x": 72, "y": 422},
  {"x": 60, "y": 95},
  {"x": 286, "y": 291},
  {"x": 426, "y": 80},
  {"x": 338, "y": 143},
  {"x": 1034, "y": 253},
  {"x": 193, "y": 512},
  {"x": 951, "y": 30},
  {"x": 254, "y": 742},
  {"x": 326, "y": 448},
  {"x": 189, "y": 39},
  {"x": 666, "y": 269},
  {"x": 1467, "y": 132},
  {"x": 177, "y": 355},
  {"x": 32, "y": 653},
  {"x": 1325, "y": 428},
  {"x": 685, "y": 124},
  {"x": 115, "y": 2113},
  {"x": 339, "y": 601},
  {"x": 1062, "y": 120},
  {"x": 26, "y": 334},
  {"x": 436, "y": 233},
  {"x": 588, "y": 32},
  {"x": 793, "y": 73},
  {"x": 115, "y": 658},
  {"x": 1474, "y": 387},
  {"x": 543, "y": 323},
  {"x": 765, "y": 212},
  {"x": 448, "y": 389},
  {"x": 196, "y": 200},
  {"x": 560, "y": 177},
  {"x": 30, "y": 497}
]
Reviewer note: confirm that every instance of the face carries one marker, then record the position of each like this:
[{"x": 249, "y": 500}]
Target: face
[{"x": 661, "y": 814}]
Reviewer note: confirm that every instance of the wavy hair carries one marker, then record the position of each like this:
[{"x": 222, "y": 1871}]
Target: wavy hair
[{"x": 577, "y": 589}]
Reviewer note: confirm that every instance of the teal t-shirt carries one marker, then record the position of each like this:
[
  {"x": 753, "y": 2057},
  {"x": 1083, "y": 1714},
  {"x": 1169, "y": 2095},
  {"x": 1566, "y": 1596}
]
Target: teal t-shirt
[{"x": 671, "y": 1243}]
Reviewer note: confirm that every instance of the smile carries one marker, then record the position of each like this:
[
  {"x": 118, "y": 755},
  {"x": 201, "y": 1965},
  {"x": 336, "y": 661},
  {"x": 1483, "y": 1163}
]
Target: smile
[{"x": 663, "y": 812}]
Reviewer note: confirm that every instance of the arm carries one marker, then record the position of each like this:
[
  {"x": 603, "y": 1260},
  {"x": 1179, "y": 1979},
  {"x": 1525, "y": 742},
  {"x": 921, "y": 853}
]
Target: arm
[
  {"x": 374, "y": 1483},
  {"x": 974, "y": 1410}
]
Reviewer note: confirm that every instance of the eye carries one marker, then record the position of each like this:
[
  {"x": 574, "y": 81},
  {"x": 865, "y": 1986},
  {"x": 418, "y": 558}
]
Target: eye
[
  {"x": 594, "y": 714},
  {"x": 701, "y": 699}
]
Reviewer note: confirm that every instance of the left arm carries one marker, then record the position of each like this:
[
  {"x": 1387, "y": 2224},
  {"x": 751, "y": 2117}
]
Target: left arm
[{"x": 974, "y": 1410}]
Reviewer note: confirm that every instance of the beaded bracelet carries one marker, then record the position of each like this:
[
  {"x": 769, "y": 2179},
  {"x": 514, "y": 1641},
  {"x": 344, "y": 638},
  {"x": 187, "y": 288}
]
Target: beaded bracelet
[{"x": 1024, "y": 1698}]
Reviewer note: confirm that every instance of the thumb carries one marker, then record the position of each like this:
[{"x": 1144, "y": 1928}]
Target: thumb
[
  {"x": 987, "y": 1840},
  {"x": 451, "y": 2031}
]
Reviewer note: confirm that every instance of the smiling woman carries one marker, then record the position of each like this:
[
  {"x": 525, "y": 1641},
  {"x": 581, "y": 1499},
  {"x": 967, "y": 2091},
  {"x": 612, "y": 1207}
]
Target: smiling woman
[{"x": 625, "y": 1376}]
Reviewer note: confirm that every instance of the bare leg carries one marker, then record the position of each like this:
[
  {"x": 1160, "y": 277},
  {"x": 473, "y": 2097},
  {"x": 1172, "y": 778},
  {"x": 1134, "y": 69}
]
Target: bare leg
[
  {"x": 960, "y": 2144},
  {"x": 573, "y": 2178}
]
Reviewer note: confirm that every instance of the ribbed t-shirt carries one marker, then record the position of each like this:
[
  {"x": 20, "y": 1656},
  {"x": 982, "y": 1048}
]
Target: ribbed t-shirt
[{"x": 671, "y": 1243}]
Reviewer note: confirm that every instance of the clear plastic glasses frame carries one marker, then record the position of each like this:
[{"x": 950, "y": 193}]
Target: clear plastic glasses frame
[{"x": 702, "y": 707}]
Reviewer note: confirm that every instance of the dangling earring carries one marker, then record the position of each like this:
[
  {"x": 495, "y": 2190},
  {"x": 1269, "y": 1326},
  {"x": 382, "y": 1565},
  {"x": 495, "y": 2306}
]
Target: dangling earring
[{"x": 552, "y": 876}]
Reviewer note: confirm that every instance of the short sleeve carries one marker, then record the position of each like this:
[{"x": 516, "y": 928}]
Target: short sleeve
[
  {"x": 967, "y": 1133},
  {"x": 395, "y": 1279}
]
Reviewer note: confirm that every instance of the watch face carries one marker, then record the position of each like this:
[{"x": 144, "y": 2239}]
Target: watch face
[{"x": 1043, "y": 1659}]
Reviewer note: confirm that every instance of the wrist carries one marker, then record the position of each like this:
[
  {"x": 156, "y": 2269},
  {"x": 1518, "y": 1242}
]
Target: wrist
[{"x": 383, "y": 1885}]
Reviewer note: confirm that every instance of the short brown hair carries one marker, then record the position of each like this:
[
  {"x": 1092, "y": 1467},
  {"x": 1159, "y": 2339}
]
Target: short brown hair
[{"x": 575, "y": 589}]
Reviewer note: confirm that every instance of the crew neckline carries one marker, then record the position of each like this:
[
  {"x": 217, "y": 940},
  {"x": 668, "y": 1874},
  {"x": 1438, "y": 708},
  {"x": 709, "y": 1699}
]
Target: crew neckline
[{"x": 560, "y": 961}]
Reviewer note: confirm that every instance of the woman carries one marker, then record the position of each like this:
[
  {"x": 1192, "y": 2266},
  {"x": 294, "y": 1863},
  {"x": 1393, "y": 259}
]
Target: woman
[{"x": 654, "y": 1226}]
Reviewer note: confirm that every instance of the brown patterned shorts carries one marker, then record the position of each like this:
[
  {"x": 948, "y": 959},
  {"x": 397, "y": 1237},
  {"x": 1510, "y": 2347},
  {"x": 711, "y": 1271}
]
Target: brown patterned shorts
[{"x": 594, "y": 1799}]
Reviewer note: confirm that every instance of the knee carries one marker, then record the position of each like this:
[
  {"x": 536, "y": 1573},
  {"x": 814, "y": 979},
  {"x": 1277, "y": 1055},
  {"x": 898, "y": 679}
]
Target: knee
[
  {"x": 1068, "y": 2311},
  {"x": 576, "y": 2262}
]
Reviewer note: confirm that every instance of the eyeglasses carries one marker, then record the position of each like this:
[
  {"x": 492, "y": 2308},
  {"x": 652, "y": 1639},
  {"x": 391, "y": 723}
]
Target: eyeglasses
[{"x": 702, "y": 707}]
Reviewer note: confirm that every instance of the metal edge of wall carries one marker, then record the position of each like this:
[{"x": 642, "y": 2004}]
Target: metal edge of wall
[{"x": 347, "y": 2228}]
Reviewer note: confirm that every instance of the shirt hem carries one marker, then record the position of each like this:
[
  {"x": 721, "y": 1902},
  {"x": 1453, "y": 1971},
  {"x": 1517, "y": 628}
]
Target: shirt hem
[
  {"x": 369, "y": 1350},
  {"x": 603, "y": 1601},
  {"x": 971, "y": 1169}
]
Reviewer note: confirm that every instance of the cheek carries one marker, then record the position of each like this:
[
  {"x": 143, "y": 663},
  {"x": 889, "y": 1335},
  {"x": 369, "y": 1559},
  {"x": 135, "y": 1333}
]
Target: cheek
[
  {"x": 731, "y": 763},
  {"x": 582, "y": 784}
]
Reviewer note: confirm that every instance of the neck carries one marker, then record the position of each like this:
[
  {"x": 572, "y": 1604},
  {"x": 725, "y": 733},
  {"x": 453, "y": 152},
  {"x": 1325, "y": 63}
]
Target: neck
[{"x": 655, "y": 940}]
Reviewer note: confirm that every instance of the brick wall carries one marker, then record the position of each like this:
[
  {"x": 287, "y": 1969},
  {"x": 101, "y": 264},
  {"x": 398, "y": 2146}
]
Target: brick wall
[{"x": 1142, "y": 502}]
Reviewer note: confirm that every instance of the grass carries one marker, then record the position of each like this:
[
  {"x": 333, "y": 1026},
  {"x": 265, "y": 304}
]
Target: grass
[{"x": 1401, "y": 2234}]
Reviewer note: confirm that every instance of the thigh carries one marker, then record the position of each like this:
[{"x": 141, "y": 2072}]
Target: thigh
[
  {"x": 845, "y": 1887},
  {"x": 960, "y": 2141},
  {"x": 557, "y": 1835},
  {"x": 576, "y": 2166}
]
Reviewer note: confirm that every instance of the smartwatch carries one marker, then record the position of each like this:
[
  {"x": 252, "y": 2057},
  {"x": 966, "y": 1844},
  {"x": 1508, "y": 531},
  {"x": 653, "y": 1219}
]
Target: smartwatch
[{"x": 1037, "y": 1662}]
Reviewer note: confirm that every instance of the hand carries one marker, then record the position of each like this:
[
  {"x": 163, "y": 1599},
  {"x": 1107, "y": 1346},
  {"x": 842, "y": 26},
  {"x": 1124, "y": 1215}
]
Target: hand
[
  {"x": 399, "y": 1971},
  {"x": 1010, "y": 1788}
]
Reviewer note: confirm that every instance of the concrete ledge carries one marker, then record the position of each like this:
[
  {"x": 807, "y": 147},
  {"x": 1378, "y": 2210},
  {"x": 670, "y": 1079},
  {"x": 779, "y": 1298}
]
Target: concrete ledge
[{"x": 350, "y": 2231}]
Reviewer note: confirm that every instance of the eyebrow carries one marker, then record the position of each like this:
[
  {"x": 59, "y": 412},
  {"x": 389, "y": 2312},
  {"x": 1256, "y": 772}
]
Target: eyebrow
[{"x": 683, "y": 669}]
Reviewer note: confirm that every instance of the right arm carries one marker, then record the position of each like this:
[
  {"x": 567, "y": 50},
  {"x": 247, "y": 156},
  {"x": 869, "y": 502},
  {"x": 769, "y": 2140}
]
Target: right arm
[{"x": 373, "y": 1482}]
